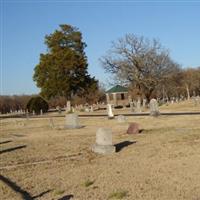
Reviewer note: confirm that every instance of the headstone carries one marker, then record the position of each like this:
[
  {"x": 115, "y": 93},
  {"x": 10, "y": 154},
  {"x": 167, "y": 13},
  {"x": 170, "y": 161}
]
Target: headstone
[
  {"x": 68, "y": 108},
  {"x": 138, "y": 106},
  {"x": 121, "y": 119},
  {"x": 33, "y": 112},
  {"x": 91, "y": 108},
  {"x": 133, "y": 128},
  {"x": 87, "y": 109},
  {"x": 103, "y": 142},
  {"x": 41, "y": 112},
  {"x": 144, "y": 103},
  {"x": 154, "y": 111},
  {"x": 109, "y": 110},
  {"x": 132, "y": 106},
  {"x": 72, "y": 121},
  {"x": 51, "y": 123},
  {"x": 58, "y": 108}
]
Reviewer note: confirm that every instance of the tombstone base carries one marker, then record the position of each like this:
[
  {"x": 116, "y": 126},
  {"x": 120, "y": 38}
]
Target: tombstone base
[{"x": 103, "y": 149}]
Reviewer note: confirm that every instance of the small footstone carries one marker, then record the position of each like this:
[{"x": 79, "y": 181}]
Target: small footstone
[
  {"x": 133, "y": 128},
  {"x": 103, "y": 142},
  {"x": 121, "y": 119}
]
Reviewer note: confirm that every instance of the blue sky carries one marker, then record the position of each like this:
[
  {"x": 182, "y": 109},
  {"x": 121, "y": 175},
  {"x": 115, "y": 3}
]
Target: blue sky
[{"x": 25, "y": 23}]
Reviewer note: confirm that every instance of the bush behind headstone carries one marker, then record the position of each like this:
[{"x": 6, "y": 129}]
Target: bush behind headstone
[{"x": 37, "y": 104}]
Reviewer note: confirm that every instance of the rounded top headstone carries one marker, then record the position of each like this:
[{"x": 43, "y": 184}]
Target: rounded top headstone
[{"x": 104, "y": 136}]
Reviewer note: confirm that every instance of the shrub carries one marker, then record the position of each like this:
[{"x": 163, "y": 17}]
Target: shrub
[{"x": 37, "y": 103}]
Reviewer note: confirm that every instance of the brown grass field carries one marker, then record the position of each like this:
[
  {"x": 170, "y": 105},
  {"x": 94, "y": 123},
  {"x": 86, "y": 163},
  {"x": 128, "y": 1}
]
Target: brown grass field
[{"x": 161, "y": 163}]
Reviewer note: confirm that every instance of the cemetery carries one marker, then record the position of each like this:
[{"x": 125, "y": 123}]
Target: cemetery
[
  {"x": 87, "y": 158},
  {"x": 100, "y": 100}
]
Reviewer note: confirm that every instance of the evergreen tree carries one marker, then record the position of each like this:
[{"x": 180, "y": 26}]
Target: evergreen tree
[{"x": 62, "y": 71}]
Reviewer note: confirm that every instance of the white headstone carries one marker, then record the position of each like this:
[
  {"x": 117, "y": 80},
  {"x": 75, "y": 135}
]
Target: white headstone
[
  {"x": 109, "y": 110},
  {"x": 51, "y": 123},
  {"x": 72, "y": 121},
  {"x": 154, "y": 111},
  {"x": 68, "y": 107},
  {"x": 138, "y": 106},
  {"x": 121, "y": 118},
  {"x": 132, "y": 106},
  {"x": 103, "y": 142},
  {"x": 144, "y": 103}
]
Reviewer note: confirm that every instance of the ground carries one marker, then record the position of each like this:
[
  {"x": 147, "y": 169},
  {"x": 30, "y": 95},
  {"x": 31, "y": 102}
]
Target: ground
[{"x": 163, "y": 162}]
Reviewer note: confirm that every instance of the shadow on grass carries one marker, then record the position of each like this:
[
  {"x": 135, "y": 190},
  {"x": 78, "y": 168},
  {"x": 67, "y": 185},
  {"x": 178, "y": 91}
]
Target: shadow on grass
[
  {"x": 66, "y": 197},
  {"x": 123, "y": 144},
  {"x": 25, "y": 195},
  {"x": 5, "y": 142},
  {"x": 12, "y": 149}
]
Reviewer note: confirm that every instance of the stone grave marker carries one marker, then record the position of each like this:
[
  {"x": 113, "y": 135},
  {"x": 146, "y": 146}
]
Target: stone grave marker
[
  {"x": 121, "y": 119},
  {"x": 72, "y": 121},
  {"x": 103, "y": 143},
  {"x": 132, "y": 106},
  {"x": 51, "y": 123},
  {"x": 144, "y": 101},
  {"x": 138, "y": 106},
  {"x": 68, "y": 107},
  {"x": 154, "y": 111},
  {"x": 109, "y": 111}
]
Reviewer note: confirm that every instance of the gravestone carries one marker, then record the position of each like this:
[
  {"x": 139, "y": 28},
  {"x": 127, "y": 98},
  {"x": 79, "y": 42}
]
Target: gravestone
[
  {"x": 121, "y": 119},
  {"x": 138, "y": 106},
  {"x": 133, "y": 128},
  {"x": 144, "y": 103},
  {"x": 154, "y": 111},
  {"x": 68, "y": 107},
  {"x": 72, "y": 121},
  {"x": 33, "y": 112},
  {"x": 41, "y": 112},
  {"x": 51, "y": 123},
  {"x": 103, "y": 143},
  {"x": 109, "y": 111},
  {"x": 132, "y": 106},
  {"x": 91, "y": 108}
]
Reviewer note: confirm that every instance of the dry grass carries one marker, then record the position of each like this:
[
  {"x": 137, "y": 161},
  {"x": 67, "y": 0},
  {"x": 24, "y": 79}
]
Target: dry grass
[{"x": 162, "y": 163}]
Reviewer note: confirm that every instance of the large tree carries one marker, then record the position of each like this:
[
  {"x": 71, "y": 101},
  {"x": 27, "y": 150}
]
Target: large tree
[
  {"x": 144, "y": 64},
  {"x": 62, "y": 71}
]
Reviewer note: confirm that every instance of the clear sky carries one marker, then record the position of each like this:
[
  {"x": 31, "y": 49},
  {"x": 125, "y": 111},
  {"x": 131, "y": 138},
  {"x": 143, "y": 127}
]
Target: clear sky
[{"x": 25, "y": 23}]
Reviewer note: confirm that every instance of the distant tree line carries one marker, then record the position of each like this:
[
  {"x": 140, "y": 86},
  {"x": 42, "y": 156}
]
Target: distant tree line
[{"x": 19, "y": 102}]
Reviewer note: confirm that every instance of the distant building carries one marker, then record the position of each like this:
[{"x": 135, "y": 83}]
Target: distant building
[{"x": 117, "y": 95}]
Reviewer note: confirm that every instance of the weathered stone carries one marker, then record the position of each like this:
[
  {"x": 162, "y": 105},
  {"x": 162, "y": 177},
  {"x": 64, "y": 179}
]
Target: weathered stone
[
  {"x": 138, "y": 106},
  {"x": 103, "y": 143},
  {"x": 72, "y": 121},
  {"x": 51, "y": 123},
  {"x": 68, "y": 107},
  {"x": 154, "y": 111},
  {"x": 133, "y": 128},
  {"x": 109, "y": 110},
  {"x": 144, "y": 103},
  {"x": 132, "y": 106},
  {"x": 121, "y": 118}
]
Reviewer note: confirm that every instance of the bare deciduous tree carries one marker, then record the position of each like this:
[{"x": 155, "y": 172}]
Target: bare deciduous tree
[{"x": 139, "y": 62}]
